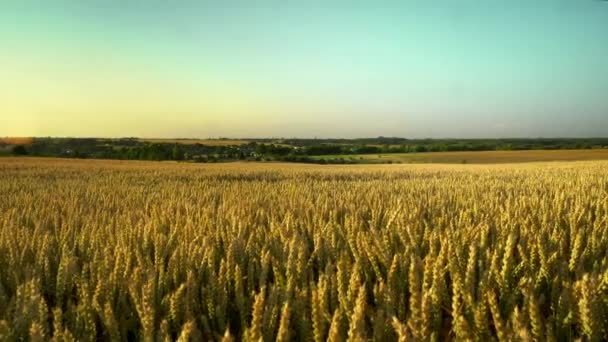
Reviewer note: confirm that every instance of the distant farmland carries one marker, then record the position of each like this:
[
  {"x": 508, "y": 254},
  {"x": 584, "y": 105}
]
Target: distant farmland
[
  {"x": 16, "y": 141},
  {"x": 208, "y": 142},
  {"x": 473, "y": 157}
]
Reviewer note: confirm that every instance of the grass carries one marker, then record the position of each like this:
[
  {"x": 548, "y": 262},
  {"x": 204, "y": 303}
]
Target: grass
[{"x": 482, "y": 157}]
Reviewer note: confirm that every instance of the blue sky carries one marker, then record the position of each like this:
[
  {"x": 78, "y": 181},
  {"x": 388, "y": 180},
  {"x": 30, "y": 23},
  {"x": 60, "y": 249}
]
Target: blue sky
[{"x": 317, "y": 68}]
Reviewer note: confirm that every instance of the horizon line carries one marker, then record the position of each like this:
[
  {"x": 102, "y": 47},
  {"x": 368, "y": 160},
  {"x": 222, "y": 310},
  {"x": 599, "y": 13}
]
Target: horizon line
[{"x": 306, "y": 138}]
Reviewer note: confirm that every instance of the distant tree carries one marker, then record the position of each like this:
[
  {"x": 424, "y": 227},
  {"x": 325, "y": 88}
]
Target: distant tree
[
  {"x": 420, "y": 148},
  {"x": 177, "y": 153},
  {"x": 157, "y": 152},
  {"x": 19, "y": 150},
  {"x": 366, "y": 149},
  {"x": 261, "y": 149}
]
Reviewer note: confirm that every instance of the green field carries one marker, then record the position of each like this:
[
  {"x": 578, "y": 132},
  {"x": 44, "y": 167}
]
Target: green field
[{"x": 481, "y": 157}]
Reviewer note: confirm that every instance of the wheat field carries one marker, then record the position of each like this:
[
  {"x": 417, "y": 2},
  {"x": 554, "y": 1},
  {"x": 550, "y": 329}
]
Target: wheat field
[
  {"x": 108, "y": 250},
  {"x": 474, "y": 157}
]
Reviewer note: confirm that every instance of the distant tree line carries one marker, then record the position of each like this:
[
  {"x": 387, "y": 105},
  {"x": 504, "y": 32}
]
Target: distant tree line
[{"x": 293, "y": 150}]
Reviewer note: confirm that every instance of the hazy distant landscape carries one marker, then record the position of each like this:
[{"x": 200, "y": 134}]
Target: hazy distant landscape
[{"x": 319, "y": 151}]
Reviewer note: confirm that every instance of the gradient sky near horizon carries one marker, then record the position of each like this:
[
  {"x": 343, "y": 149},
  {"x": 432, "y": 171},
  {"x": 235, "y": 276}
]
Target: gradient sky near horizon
[{"x": 452, "y": 68}]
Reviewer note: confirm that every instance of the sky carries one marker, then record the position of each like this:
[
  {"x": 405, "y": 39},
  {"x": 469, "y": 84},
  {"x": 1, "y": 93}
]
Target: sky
[{"x": 196, "y": 69}]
